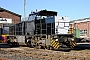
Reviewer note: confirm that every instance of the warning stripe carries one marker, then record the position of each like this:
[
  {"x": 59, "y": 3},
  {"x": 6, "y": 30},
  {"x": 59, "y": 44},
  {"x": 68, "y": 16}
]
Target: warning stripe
[
  {"x": 57, "y": 45},
  {"x": 73, "y": 44},
  {"x": 51, "y": 40},
  {"x": 54, "y": 44}
]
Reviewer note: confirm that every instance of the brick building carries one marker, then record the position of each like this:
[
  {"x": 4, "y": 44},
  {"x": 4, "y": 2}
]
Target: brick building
[
  {"x": 4, "y": 13},
  {"x": 83, "y": 25}
]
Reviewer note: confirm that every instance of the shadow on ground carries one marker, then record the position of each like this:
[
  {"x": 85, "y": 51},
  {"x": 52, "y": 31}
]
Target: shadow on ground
[{"x": 4, "y": 45}]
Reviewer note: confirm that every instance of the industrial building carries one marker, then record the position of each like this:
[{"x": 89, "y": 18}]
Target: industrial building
[
  {"x": 4, "y": 13},
  {"x": 8, "y": 18},
  {"x": 83, "y": 25}
]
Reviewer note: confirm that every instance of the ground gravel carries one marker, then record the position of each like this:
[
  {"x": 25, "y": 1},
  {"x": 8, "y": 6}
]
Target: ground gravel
[{"x": 26, "y": 53}]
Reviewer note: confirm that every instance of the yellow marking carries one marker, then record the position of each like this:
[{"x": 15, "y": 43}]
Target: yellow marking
[
  {"x": 56, "y": 45},
  {"x": 71, "y": 45},
  {"x": 52, "y": 43},
  {"x": 74, "y": 43},
  {"x": 52, "y": 40}
]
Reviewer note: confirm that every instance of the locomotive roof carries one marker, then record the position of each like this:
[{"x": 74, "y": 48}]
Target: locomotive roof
[{"x": 44, "y": 13}]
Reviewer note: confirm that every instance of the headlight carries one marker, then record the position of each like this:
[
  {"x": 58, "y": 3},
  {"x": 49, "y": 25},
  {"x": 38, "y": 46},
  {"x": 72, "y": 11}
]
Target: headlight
[
  {"x": 72, "y": 39},
  {"x": 56, "y": 39}
]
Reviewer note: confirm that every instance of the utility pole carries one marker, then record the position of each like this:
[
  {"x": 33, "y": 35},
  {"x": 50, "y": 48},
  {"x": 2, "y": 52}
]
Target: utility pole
[
  {"x": 24, "y": 10},
  {"x": 24, "y": 16}
]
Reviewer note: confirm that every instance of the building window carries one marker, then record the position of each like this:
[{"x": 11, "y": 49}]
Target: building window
[{"x": 83, "y": 32}]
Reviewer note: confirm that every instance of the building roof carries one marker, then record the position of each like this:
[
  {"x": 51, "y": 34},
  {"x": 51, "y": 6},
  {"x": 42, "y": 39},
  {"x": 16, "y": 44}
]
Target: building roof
[
  {"x": 83, "y": 19},
  {"x": 2, "y": 9}
]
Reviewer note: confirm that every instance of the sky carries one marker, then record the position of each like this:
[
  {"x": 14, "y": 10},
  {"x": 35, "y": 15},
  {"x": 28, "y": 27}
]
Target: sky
[{"x": 75, "y": 9}]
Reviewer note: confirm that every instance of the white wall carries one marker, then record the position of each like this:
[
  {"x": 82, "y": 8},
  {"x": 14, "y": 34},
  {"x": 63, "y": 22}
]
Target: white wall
[{"x": 5, "y": 20}]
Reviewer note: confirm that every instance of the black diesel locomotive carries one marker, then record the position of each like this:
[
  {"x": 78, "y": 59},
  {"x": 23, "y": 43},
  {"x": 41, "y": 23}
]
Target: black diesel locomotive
[{"x": 43, "y": 29}]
